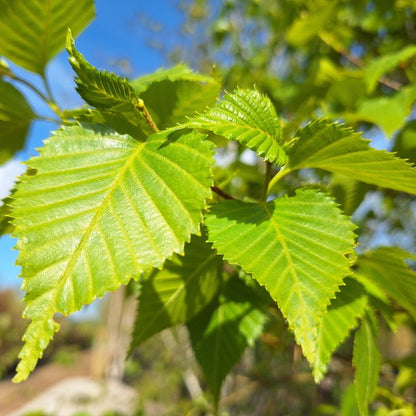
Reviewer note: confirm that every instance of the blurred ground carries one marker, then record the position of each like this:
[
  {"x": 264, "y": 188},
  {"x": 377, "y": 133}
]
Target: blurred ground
[{"x": 61, "y": 389}]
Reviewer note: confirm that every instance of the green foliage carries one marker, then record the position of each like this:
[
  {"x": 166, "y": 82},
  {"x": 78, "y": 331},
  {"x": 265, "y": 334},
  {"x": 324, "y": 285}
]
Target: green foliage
[
  {"x": 222, "y": 332},
  {"x": 126, "y": 189},
  {"x": 15, "y": 118},
  {"x": 385, "y": 64},
  {"x": 248, "y": 117},
  {"x": 172, "y": 95},
  {"x": 387, "y": 270},
  {"x": 101, "y": 89},
  {"x": 34, "y": 32},
  {"x": 339, "y": 149},
  {"x": 367, "y": 362},
  {"x": 342, "y": 315},
  {"x": 179, "y": 291},
  {"x": 132, "y": 191},
  {"x": 5, "y": 225},
  {"x": 296, "y": 247}
]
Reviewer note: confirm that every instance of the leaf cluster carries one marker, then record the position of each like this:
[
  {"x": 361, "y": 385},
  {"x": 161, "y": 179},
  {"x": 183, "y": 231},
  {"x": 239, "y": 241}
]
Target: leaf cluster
[{"x": 129, "y": 189}]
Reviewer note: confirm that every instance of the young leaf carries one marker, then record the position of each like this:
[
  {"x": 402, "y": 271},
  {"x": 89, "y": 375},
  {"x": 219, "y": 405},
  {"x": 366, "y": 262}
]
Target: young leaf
[
  {"x": 338, "y": 149},
  {"x": 296, "y": 247},
  {"x": 100, "y": 89},
  {"x": 386, "y": 268},
  {"x": 250, "y": 118},
  {"x": 221, "y": 333},
  {"x": 101, "y": 209},
  {"x": 111, "y": 94},
  {"x": 179, "y": 72},
  {"x": 179, "y": 291},
  {"x": 15, "y": 118},
  {"x": 366, "y": 360},
  {"x": 341, "y": 317},
  {"x": 172, "y": 95},
  {"x": 389, "y": 113},
  {"x": 386, "y": 63},
  {"x": 32, "y": 32}
]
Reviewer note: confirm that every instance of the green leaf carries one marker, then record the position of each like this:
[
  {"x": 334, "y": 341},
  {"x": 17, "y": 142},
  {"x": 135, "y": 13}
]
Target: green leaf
[
  {"x": 100, "y": 89},
  {"x": 366, "y": 360},
  {"x": 179, "y": 72},
  {"x": 15, "y": 118},
  {"x": 111, "y": 94},
  {"x": 296, "y": 247},
  {"x": 341, "y": 317},
  {"x": 221, "y": 333},
  {"x": 349, "y": 405},
  {"x": 310, "y": 24},
  {"x": 386, "y": 269},
  {"x": 385, "y": 64},
  {"x": 101, "y": 209},
  {"x": 5, "y": 220},
  {"x": 347, "y": 192},
  {"x": 389, "y": 113},
  {"x": 172, "y": 95},
  {"x": 338, "y": 149},
  {"x": 32, "y": 32},
  {"x": 179, "y": 291},
  {"x": 250, "y": 118},
  {"x": 405, "y": 143}
]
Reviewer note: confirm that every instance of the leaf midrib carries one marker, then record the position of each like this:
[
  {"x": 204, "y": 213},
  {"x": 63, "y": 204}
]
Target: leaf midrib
[{"x": 66, "y": 273}]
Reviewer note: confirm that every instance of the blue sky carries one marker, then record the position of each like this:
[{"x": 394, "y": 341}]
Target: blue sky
[{"x": 115, "y": 35}]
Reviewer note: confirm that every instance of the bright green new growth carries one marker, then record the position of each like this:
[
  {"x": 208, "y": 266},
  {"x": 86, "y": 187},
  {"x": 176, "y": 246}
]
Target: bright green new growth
[
  {"x": 89, "y": 186},
  {"x": 296, "y": 247},
  {"x": 101, "y": 89},
  {"x": 250, "y": 118},
  {"x": 123, "y": 191}
]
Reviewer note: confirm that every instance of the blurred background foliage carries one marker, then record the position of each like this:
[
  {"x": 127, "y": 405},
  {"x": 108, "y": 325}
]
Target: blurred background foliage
[{"x": 348, "y": 60}]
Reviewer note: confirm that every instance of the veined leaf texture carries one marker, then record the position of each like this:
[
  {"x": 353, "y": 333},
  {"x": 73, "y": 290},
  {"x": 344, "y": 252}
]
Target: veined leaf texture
[
  {"x": 296, "y": 247},
  {"x": 99, "y": 210}
]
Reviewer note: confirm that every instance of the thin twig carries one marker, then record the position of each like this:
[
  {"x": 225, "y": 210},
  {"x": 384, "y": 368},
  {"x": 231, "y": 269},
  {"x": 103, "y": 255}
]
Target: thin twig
[
  {"x": 355, "y": 60},
  {"x": 148, "y": 117},
  {"x": 220, "y": 192}
]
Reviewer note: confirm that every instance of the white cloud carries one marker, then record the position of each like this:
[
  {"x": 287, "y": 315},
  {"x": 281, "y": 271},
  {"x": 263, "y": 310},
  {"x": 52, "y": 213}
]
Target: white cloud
[{"x": 8, "y": 173}]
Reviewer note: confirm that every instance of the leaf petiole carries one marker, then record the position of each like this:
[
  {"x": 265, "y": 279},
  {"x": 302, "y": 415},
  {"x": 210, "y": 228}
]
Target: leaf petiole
[
  {"x": 140, "y": 106},
  {"x": 267, "y": 177},
  {"x": 276, "y": 178}
]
